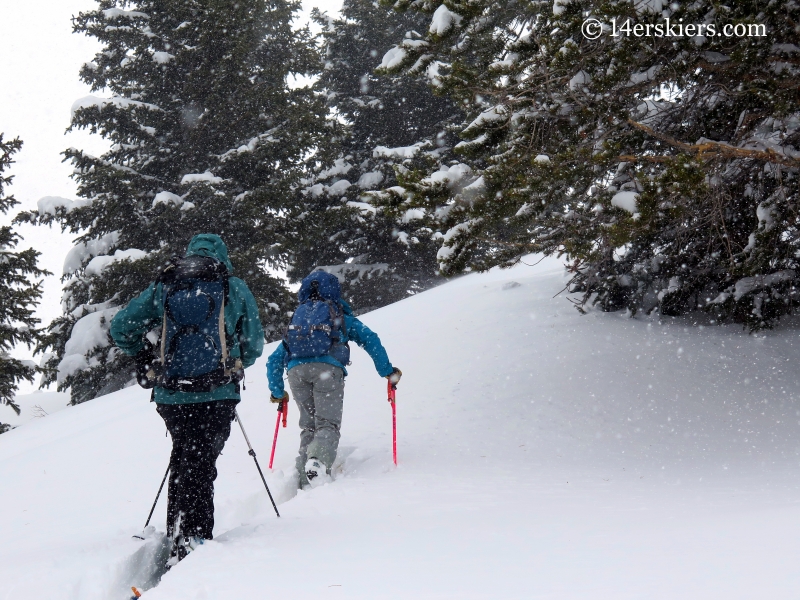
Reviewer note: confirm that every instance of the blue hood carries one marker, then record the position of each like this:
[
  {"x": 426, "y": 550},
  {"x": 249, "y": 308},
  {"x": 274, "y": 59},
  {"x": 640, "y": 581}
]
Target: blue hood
[{"x": 327, "y": 284}]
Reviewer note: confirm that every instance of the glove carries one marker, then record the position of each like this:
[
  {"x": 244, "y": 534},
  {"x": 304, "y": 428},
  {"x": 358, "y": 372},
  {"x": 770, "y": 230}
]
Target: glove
[
  {"x": 147, "y": 367},
  {"x": 394, "y": 376},
  {"x": 275, "y": 400},
  {"x": 236, "y": 369}
]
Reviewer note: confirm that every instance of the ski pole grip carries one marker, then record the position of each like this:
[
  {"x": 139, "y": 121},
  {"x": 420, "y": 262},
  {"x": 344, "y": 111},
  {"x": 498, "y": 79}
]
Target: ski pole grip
[{"x": 285, "y": 411}]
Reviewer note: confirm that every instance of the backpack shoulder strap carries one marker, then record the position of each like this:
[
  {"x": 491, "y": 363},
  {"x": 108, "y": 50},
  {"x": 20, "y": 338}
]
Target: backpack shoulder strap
[
  {"x": 336, "y": 315},
  {"x": 166, "y": 275},
  {"x": 223, "y": 336},
  {"x": 223, "y": 333},
  {"x": 163, "y": 337}
]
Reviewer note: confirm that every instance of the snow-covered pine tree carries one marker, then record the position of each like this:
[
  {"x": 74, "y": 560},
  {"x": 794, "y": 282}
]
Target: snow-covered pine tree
[
  {"x": 664, "y": 166},
  {"x": 20, "y": 292},
  {"x": 469, "y": 48},
  {"x": 380, "y": 248},
  {"x": 206, "y": 136}
]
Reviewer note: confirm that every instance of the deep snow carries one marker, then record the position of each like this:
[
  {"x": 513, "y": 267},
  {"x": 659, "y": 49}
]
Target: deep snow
[{"x": 543, "y": 454}]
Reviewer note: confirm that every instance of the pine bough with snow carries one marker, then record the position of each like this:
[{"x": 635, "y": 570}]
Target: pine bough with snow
[
  {"x": 364, "y": 231},
  {"x": 665, "y": 168}
]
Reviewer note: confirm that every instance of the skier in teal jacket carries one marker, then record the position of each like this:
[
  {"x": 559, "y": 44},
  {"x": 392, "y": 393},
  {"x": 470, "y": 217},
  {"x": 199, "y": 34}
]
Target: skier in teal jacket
[
  {"x": 242, "y": 323},
  {"x": 198, "y": 422}
]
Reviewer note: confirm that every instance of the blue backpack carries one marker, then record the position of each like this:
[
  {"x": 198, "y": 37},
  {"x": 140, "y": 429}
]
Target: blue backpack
[
  {"x": 317, "y": 326},
  {"x": 194, "y": 346}
]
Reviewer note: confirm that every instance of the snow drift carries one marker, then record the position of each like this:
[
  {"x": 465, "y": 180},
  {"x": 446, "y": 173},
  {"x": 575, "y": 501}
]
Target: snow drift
[{"x": 543, "y": 454}]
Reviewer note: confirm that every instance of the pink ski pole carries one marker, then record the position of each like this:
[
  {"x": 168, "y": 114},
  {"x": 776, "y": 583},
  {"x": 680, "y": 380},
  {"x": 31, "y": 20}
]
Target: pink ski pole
[
  {"x": 283, "y": 411},
  {"x": 392, "y": 396}
]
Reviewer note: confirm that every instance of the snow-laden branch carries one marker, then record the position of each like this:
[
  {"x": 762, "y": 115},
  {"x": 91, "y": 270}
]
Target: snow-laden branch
[{"x": 118, "y": 101}]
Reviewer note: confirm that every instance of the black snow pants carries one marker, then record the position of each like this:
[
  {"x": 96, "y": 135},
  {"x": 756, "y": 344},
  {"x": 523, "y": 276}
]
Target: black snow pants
[{"x": 199, "y": 431}]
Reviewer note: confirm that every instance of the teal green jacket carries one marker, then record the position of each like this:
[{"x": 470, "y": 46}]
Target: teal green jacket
[
  {"x": 242, "y": 323},
  {"x": 354, "y": 331}
]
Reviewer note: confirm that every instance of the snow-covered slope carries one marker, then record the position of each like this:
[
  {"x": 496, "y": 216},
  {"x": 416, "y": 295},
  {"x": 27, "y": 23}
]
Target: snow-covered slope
[
  {"x": 543, "y": 454},
  {"x": 33, "y": 406}
]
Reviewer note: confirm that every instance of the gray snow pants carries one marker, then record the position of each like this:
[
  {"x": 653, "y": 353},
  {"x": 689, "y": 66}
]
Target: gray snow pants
[{"x": 318, "y": 390}]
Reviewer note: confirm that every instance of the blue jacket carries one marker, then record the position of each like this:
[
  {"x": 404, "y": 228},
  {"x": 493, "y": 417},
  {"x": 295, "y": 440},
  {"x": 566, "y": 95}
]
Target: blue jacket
[
  {"x": 354, "y": 330},
  {"x": 242, "y": 323}
]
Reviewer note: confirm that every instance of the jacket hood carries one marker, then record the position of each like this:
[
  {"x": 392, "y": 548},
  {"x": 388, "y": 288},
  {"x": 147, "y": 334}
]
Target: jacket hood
[
  {"x": 327, "y": 285},
  {"x": 212, "y": 246}
]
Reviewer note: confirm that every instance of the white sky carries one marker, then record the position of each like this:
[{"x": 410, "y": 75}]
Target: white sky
[{"x": 39, "y": 62}]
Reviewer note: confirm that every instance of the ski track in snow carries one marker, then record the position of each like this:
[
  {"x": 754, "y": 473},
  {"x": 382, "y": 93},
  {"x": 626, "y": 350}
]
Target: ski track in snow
[{"x": 543, "y": 454}]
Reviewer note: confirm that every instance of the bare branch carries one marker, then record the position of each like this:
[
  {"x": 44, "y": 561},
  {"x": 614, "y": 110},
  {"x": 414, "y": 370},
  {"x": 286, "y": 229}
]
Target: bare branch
[{"x": 714, "y": 149}]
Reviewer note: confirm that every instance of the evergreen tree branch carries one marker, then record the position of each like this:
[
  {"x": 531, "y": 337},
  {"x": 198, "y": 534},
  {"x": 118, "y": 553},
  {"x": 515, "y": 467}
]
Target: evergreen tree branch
[{"x": 710, "y": 149}]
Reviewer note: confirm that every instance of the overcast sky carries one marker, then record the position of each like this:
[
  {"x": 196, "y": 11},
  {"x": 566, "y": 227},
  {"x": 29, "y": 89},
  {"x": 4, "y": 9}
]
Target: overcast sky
[{"x": 39, "y": 62}]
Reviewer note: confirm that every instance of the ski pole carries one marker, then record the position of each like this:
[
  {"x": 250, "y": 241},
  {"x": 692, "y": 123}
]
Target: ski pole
[
  {"x": 392, "y": 388},
  {"x": 275, "y": 437},
  {"x": 283, "y": 411},
  {"x": 253, "y": 454},
  {"x": 158, "y": 495}
]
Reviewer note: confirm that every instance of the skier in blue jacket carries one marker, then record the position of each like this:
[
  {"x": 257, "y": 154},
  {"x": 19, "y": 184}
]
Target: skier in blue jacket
[{"x": 317, "y": 382}]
